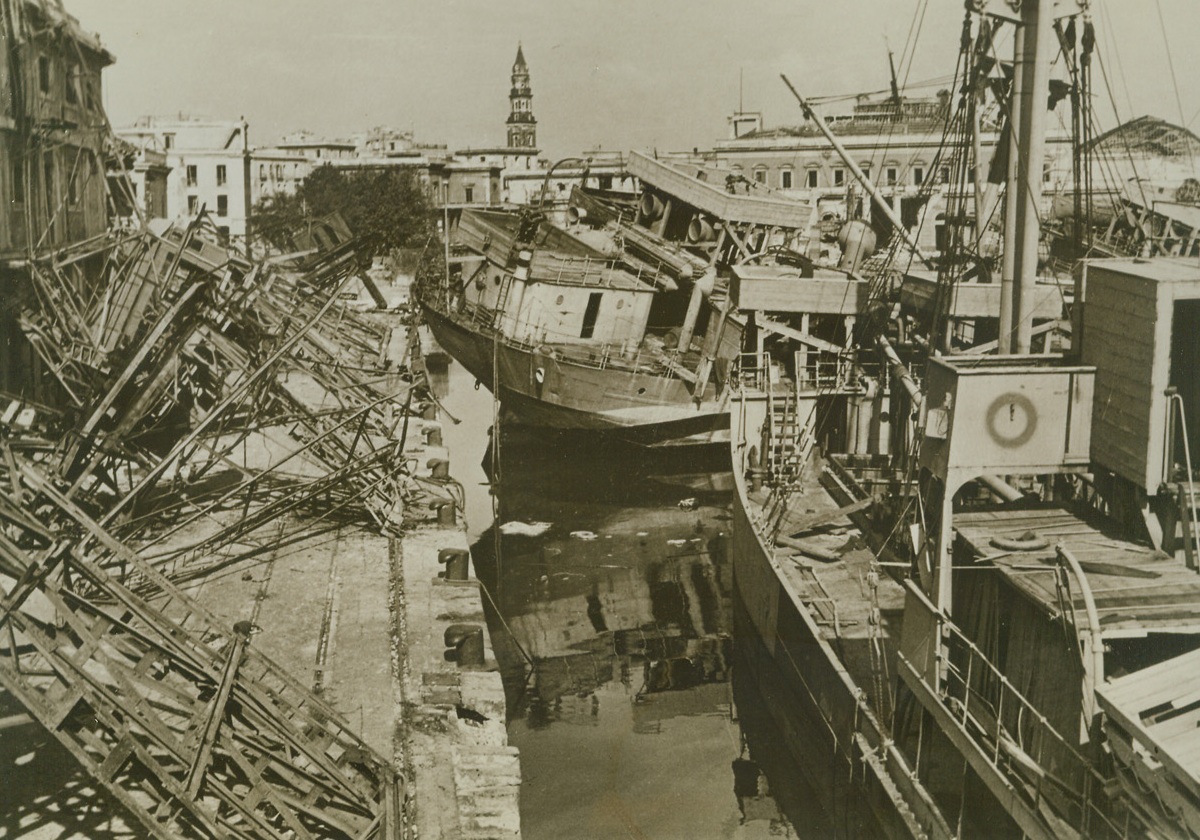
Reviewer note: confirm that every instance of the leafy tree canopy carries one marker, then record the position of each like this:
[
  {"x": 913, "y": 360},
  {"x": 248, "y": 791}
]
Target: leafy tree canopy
[{"x": 388, "y": 209}]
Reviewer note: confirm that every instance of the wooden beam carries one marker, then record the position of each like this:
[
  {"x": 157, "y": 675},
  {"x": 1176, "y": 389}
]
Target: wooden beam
[
  {"x": 216, "y": 714},
  {"x": 780, "y": 328}
]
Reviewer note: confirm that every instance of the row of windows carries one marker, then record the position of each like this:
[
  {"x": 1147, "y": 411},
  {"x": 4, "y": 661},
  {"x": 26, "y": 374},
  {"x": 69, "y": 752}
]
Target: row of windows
[
  {"x": 222, "y": 205},
  {"x": 840, "y": 175},
  {"x": 77, "y": 85},
  {"x": 78, "y": 170},
  {"x": 192, "y": 174},
  {"x": 276, "y": 171}
]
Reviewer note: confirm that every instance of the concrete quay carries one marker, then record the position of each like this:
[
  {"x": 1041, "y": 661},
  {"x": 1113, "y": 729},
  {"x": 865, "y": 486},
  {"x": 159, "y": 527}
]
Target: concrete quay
[{"x": 450, "y": 735}]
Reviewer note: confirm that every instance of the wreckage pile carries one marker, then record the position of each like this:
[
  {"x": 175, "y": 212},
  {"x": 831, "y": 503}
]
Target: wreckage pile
[{"x": 212, "y": 411}]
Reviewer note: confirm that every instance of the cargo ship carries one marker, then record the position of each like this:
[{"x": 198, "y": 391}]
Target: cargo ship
[{"x": 965, "y": 540}]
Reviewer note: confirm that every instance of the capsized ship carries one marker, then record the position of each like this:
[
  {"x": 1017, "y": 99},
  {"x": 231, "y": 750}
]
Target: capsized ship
[
  {"x": 619, "y": 324},
  {"x": 969, "y": 571}
]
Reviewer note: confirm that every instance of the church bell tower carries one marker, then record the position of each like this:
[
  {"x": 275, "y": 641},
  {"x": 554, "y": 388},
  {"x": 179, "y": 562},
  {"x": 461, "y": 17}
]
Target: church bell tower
[{"x": 522, "y": 125}]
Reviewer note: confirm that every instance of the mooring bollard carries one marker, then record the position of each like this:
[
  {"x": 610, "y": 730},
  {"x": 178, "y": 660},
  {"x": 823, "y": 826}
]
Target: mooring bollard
[
  {"x": 438, "y": 467},
  {"x": 446, "y": 514},
  {"x": 464, "y": 645},
  {"x": 433, "y": 434},
  {"x": 457, "y": 563}
]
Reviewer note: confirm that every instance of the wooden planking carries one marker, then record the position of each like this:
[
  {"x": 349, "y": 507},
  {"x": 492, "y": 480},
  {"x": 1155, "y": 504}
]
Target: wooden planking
[
  {"x": 782, "y": 289},
  {"x": 1133, "y": 586},
  {"x": 1120, "y": 332},
  {"x": 1176, "y": 741}
]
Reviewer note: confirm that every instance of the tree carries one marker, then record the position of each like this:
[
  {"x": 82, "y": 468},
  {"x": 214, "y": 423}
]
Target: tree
[{"x": 386, "y": 208}]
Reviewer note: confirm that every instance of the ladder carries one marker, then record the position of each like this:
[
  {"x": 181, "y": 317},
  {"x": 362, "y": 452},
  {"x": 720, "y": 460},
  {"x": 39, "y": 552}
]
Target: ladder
[{"x": 789, "y": 443}]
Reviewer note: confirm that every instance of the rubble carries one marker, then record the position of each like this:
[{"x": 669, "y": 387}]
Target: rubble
[{"x": 210, "y": 411}]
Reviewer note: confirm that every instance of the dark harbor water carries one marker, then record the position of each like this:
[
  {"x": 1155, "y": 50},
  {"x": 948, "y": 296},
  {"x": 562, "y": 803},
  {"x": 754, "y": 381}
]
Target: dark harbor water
[{"x": 612, "y": 624}]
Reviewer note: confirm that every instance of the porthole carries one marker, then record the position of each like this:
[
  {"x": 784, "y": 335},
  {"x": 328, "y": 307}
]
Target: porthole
[
  {"x": 620, "y": 304},
  {"x": 558, "y": 300}
]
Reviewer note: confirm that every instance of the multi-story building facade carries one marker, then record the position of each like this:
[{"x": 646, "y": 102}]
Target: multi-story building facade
[
  {"x": 897, "y": 142},
  {"x": 53, "y": 186},
  {"x": 210, "y": 163},
  {"x": 52, "y": 129}
]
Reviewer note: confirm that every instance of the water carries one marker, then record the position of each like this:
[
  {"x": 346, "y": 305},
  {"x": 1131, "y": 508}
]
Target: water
[{"x": 612, "y": 624}]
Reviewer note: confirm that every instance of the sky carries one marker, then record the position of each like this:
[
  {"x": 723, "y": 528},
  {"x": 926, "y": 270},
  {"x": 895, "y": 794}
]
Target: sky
[{"x": 610, "y": 74}]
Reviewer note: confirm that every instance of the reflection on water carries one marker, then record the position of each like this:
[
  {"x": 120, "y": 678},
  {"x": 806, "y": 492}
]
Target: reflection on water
[{"x": 612, "y": 585}]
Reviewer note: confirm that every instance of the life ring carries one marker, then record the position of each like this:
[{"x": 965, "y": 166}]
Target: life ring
[
  {"x": 1029, "y": 541},
  {"x": 1007, "y": 437}
]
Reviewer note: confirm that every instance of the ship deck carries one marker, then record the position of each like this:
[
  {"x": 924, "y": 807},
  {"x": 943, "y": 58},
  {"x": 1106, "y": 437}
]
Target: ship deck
[
  {"x": 1136, "y": 590},
  {"x": 836, "y": 592}
]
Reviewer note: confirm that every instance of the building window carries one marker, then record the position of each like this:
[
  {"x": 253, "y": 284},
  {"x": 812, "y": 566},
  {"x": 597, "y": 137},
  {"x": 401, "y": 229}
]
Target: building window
[
  {"x": 220, "y": 175},
  {"x": 191, "y": 175},
  {"x": 1047, "y": 172},
  {"x": 468, "y": 194},
  {"x": 785, "y": 179},
  {"x": 811, "y": 179},
  {"x": 43, "y": 74},
  {"x": 760, "y": 175},
  {"x": 168, "y": 142},
  {"x": 262, "y": 172},
  {"x": 866, "y": 170},
  {"x": 892, "y": 176},
  {"x": 193, "y": 205},
  {"x": 222, "y": 205},
  {"x": 72, "y": 88},
  {"x": 73, "y": 187},
  {"x": 839, "y": 176},
  {"x": 944, "y": 174},
  {"x": 918, "y": 175}
]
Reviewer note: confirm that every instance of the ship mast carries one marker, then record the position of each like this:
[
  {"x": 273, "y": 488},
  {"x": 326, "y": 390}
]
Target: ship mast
[{"x": 1034, "y": 40}]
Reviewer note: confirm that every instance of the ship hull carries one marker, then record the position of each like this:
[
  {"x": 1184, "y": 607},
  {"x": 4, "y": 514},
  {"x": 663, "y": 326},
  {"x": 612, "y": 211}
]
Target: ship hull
[
  {"x": 810, "y": 696},
  {"x": 850, "y": 763},
  {"x": 544, "y": 390}
]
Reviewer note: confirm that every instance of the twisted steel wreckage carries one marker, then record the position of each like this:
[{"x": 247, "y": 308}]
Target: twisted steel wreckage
[{"x": 170, "y": 409}]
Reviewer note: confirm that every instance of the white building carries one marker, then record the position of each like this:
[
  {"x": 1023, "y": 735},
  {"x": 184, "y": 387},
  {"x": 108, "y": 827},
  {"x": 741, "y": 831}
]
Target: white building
[{"x": 210, "y": 165}]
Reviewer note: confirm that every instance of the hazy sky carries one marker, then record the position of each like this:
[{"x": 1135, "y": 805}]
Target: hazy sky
[{"x": 618, "y": 74}]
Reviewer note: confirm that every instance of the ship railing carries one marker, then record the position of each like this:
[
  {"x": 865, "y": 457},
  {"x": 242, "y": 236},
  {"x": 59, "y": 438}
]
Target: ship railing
[
  {"x": 823, "y": 370},
  {"x": 1019, "y": 742},
  {"x": 753, "y": 370}
]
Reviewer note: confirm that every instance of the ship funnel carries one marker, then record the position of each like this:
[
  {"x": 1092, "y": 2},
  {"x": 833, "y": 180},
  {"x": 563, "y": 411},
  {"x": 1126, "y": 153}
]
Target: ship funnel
[
  {"x": 699, "y": 230},
  {"x": 651, "y": 206},
  {"x": 857, "y": 239}
]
